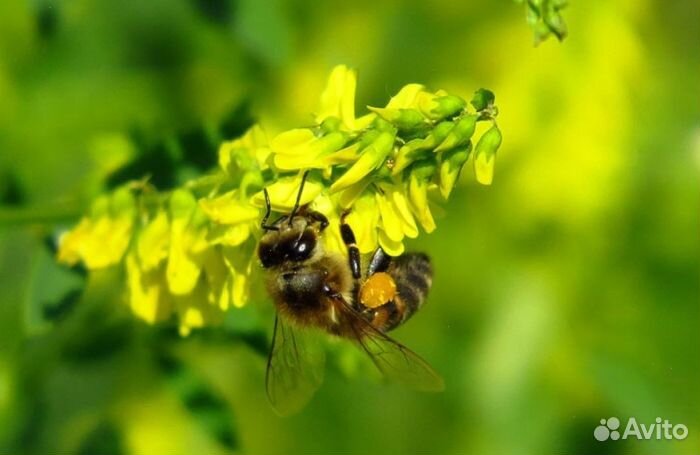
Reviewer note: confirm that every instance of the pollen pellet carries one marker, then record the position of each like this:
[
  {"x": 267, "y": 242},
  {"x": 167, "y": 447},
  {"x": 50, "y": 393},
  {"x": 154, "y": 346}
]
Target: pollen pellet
[{"x": 379, "y": 289}]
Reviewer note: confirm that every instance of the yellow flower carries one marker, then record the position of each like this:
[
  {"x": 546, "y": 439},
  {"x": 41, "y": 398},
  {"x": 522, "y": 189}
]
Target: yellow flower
[
  {"x": 148, "y": 291},
  {"x": 302, "y": 149},
  {"x": 216, "y": 276},
  {"x": 284, "y": 191},
  {"x": 418, "y": 183},
  {"x": 196, "y": 311},
  {"x": 332, "y": 241},
  {"x": 187, "y": 243},
  {"x": 380, "y": 215},
  {"x": 249, "y": 151},
  {"x": 101, "y": 239},
  {"x": 153, "y": 242},
  {"x": 338, "y": 100},
  {"x": 363, "y": 219},
  {"x": 190, "y": 254},
  {"x": 371, "y": 158},
  {"x": 239, "y": 263},
  {"x": 229, "y": 208}
]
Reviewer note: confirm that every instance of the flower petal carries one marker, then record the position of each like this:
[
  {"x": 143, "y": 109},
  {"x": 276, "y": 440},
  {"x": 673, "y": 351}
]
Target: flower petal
[
  {"x": 148, "y": 293},
  {"x": 153, "y": 242},
  {"x": 338, "y": 98},
  {"x": 195, "y": 311},
  {"x": 406, "y": 98},
  {"x": 284, "y": 191},
  {"x": 239, "y": 262},
  {"x": 402, "y": 207},
  {"x": 391, "y": 223},
  {"x": 391, "y": 247},
  {"x": 187, "y": 242},
  {"x": 252, "y": 144},
  {"x": 229, "y": 209},
  {"x": 101, "y": 240},
  {"x": 363, "y": 219},
  {"x": 293, "y": 142}
]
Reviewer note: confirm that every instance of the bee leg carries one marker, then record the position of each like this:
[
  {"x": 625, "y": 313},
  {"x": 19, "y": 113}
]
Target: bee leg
[
  {"x": 353, "y": 252},
  {"x": 320, "y": 217},
  {"x": 379, "y": 263}
]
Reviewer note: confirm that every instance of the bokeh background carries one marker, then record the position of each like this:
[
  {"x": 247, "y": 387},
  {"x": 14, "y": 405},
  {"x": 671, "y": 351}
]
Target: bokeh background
[{"x": 565, "y": 293}]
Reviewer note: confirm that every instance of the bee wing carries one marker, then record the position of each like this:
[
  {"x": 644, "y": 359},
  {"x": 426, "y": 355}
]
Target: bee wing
[
  {"x": 294, "y": 368},
  {"x": 396, "y": 362}
]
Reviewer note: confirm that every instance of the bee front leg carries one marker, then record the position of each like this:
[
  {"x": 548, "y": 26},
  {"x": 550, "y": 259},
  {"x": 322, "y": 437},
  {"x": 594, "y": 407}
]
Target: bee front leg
[
  {"x": 353, "y": 252},
  {"x": 320, "y": 218}
]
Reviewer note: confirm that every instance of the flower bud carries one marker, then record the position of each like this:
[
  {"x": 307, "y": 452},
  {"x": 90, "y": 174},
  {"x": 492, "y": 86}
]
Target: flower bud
[
  {"x": 420, "y": 176},
  {"x": 485, "y": 155},
  {"x": 419, "y": 149},
  {"x": 403, "y": 119},
  {"x": 351, "y": 153},
  {"x": 459, "y": 135},
  {"x": 440, "y": 105},
  {"x": 482, "y": 99},
  {"x": 370, "y": 159},
  {"x": 451, "y": 166}
]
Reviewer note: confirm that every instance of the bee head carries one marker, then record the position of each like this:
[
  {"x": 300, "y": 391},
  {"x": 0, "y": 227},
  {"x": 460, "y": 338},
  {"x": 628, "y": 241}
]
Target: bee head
[
  {"x": 292, "y": 238},
  {"x": 293, "y": 241}
]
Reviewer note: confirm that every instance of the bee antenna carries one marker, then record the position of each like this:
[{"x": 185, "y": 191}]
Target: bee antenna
[
  {"x": 301, "y": 191},
  {"x": 268, "y": 209}
]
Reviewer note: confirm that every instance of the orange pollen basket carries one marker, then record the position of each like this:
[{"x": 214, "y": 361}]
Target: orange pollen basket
[{"x": 379, "y": 289}]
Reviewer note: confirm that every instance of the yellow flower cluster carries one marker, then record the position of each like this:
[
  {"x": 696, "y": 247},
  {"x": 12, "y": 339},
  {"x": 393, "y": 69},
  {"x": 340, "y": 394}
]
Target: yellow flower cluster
[{"x": 191, "y": 252}]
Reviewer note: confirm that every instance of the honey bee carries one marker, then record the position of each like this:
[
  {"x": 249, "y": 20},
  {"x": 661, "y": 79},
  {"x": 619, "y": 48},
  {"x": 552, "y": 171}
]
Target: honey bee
[{"x": 317, "y": 289}]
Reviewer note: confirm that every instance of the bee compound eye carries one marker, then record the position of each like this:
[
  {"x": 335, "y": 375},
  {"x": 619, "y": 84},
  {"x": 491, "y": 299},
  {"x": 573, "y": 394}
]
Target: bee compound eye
[
  {"x": 304, "y": 247},
  {"x": 268, "y": 255}
]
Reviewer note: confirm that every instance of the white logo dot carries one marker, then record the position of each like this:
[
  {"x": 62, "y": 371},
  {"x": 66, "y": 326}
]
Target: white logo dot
[{"x": 601, "y": 433}]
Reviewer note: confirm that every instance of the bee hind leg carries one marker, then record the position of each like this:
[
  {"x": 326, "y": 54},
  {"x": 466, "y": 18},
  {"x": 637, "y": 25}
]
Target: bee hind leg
[{"x": 379, "y": 263}]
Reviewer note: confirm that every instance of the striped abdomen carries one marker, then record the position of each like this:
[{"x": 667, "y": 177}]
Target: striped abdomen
[{"x": 413, "y": 276}]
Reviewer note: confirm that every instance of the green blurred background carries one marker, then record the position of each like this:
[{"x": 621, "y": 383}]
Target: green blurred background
[{"x": 565, "y": 293}]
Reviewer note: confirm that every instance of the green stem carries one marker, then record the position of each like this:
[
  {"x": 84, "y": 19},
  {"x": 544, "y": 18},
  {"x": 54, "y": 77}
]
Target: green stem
[{"x": 18, "y": 216}]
